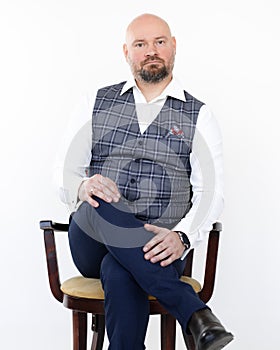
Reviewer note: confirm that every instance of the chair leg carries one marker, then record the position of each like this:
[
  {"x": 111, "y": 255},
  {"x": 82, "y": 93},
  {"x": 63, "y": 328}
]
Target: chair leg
[
  {"x": 168, "y": 332},
  {"x": 188, "y": 338},
  {"x": 98, "y": 328},
  {"x": 79, "y": 330}
]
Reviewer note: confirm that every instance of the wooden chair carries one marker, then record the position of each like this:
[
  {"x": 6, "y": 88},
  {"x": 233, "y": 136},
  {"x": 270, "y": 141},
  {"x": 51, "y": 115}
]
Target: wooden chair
[{"x": 85, "y": 295}]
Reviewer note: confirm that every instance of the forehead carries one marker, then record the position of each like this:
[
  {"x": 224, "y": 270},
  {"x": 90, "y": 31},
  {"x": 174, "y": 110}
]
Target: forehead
[{"x": 147, "y": 28}]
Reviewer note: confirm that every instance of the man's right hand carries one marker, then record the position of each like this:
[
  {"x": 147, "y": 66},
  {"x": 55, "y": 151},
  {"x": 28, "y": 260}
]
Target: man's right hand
[{"x": 101, "y": 187}]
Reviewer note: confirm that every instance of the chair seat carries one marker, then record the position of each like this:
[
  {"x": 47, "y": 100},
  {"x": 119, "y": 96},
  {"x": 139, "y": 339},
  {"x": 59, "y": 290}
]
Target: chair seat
[{"x": 91, "y": 288}]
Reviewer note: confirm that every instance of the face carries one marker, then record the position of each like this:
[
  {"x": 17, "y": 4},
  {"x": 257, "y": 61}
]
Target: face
[{"x": 150, "y": 49}]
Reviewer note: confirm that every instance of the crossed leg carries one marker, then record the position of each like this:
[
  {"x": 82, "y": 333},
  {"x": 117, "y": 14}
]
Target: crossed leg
[{"x": 127, "y": 278}]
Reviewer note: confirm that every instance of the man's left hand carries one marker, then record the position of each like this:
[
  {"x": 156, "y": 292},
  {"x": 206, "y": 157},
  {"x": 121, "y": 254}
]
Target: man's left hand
[{"x": 165, "y": 247}]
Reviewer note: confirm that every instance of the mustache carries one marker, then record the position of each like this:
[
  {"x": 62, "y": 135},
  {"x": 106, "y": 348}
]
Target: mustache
[{"x": 152, "y": 59}]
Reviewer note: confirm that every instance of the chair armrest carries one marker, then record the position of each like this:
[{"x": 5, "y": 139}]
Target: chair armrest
[
  {"x": 211, "y": 263},
  {"x": 49, "y": 227}
]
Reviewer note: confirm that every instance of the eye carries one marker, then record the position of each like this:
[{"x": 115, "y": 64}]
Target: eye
[
  {"x": 139, "y": 45},
  {"x": 160, "y": 42}
]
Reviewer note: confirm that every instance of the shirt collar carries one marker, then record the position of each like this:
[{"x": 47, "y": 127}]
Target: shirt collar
[{"x": 174, "y": 89}]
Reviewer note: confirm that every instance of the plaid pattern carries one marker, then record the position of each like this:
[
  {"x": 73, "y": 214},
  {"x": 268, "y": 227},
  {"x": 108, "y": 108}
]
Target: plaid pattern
[{"x": 152, "y": 169}]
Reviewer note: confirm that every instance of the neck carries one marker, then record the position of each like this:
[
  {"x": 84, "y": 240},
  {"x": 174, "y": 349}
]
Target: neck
[{"x": 152, "y": 90}]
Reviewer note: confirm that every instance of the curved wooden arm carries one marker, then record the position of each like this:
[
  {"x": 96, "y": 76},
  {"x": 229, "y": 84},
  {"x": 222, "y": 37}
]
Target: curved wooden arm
[
  {"x": 50, "y": 248},
  {"x": 51, "y": 225},
  {"x": 211, "y": 262}
]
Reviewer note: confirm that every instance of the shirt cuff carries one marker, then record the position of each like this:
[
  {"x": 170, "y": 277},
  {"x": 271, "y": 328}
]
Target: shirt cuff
[{"x": 194, "y": 237}]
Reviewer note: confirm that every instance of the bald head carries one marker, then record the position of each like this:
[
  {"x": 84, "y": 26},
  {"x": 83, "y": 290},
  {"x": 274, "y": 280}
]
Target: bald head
[{"x": 147, "y": 23}]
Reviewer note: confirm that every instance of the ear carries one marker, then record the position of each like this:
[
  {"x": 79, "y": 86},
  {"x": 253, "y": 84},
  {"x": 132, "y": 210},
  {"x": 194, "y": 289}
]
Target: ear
[
  {"x": 174, "y": 43},
  {"x": 125, "y": 51}
]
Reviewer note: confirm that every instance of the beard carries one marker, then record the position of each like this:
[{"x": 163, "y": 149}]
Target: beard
[{"x": 153, "y": 73}]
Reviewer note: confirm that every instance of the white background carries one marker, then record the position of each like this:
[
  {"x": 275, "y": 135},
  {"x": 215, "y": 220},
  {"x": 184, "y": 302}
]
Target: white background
[{"x": 55, "y": 52}]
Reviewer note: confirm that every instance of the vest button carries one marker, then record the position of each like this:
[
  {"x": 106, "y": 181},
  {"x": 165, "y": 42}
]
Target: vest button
[
  {"x": 140, "y": 143},
  {"x": 132, "y": 181}
]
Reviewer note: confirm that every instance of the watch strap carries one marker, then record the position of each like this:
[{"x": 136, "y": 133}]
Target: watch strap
[{"x": 184, "y": 239}]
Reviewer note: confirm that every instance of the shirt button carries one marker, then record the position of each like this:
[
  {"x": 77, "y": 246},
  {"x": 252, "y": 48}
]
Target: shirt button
[
  {"x": 140, "y": 143},
  {"x": 132, "y": 181}
]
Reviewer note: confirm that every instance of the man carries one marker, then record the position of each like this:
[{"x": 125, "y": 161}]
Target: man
[{"x": 143, "y": 192}]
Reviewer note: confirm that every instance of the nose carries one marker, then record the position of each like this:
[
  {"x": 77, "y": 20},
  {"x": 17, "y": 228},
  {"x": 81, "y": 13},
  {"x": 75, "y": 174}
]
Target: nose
[{"x": 151, "y": 50}]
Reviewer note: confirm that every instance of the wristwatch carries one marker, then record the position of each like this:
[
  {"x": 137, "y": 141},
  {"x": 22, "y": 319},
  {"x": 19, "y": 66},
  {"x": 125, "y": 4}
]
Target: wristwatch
[{"x": 184, "y": 239}]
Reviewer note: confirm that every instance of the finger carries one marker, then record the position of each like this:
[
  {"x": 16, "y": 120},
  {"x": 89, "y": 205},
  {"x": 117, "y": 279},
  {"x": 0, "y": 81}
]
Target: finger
[
  {"x": 114, "y": 195},
  {"x": 92, "y": 202},
  {"x": 94, "y": 187},
  {"x": 161, "y": 255},
  {"x": 168, "y": 261},
  {"x": 94, "y": 191},
  {"x": 111, "y": 185},
  {"x": 152, "y": 242},
  {"x": 103, "y": 192},
  {"x": 106, "y": 186},
  {"x": 160, "y": 248},
  {"x": 152, "y": 228}
]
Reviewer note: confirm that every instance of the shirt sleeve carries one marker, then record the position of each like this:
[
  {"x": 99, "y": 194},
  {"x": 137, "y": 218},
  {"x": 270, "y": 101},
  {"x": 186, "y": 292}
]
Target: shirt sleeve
[
  {"x": 206, "y": 179},
  {"x": 73, "y": 155}
]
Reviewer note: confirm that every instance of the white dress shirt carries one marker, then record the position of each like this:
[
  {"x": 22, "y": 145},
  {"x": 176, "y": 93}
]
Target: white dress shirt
[{"x": 207, "y": 199}]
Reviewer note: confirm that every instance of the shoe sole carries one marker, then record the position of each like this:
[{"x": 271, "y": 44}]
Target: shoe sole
[{"x": 218, "y": 344}]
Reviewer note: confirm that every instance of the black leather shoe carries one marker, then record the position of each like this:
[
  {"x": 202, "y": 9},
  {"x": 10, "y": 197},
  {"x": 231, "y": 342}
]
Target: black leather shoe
[{"x": 207, "y": 331}]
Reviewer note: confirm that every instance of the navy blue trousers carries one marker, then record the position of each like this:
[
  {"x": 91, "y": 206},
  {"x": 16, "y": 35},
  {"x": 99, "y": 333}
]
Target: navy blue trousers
[{"x": 126, "y": 276}]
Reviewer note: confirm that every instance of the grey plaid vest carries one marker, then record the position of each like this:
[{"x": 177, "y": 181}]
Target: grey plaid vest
[{"x": 152, "y": 170}]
